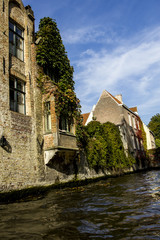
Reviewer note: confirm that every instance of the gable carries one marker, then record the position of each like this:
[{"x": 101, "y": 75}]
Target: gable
[{"x": 108, "y": 108}]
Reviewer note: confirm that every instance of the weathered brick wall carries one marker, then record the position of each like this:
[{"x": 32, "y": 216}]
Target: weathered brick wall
[
  {"x": 22, "y": 162},
  {"x": 18, "y": 166},
  {"x": 51, "y": 138}
]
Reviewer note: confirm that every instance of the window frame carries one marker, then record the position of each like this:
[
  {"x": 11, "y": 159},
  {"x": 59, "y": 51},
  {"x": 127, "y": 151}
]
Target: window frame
[
  {"x": 16, "y": 35},
  {"x": 133, "y": 141},
  {"x": 64, "y": 125},
  {"x": 47, "y": 117},
  {"x": 134, "y": 122},
  {"x": 17, "y": 92},
  {"x": 130, "y": 120},
  {"x": 138, "y": 144}
]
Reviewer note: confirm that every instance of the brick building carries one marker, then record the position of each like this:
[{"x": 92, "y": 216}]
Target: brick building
[
  {"x": 112, "y": 109},
  {"x": 34, "y": 147}
]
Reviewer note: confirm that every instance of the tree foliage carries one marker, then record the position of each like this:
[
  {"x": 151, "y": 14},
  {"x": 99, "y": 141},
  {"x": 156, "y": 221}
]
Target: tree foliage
[
  {"x": 143, "y": 135},
  {"x": 53, "y": 59},
  {"x": 103, "y": 146},
  {"x": 154, "y": 125},
  {"x": 51, "y": 54},
  {"x": 157, "y": 143}
]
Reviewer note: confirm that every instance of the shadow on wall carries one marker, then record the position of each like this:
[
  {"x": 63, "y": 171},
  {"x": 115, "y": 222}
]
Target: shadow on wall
[
  {"x": 5, "y": 144},
  {"x": 64, "y": 162}
]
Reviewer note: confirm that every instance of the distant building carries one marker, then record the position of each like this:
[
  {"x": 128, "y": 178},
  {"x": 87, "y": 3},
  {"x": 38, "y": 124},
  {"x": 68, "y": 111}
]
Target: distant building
[
  {"x": 35, "y": 147},
  {"x": 112, "y": 109},
  {"x": 150, "y": 138}
]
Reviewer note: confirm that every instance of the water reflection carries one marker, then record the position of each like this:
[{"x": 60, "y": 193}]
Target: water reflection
[{"x": 127, "y": 207}]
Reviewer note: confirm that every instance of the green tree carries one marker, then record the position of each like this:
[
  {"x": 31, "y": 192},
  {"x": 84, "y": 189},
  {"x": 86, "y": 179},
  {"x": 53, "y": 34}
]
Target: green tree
[
  {"x": 157, "y": 143},
  {"x": 154, "y": 126}
]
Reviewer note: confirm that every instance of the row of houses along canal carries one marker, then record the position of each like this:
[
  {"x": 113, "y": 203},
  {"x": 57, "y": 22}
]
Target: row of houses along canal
[
  {"x": 38, "y": 145},
  {"x": 125, "y": 207}
]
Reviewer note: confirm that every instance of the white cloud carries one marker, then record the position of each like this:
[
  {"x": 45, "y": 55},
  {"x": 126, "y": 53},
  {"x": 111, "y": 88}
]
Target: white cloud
[
  {"x": 133, "y": 67},
  {"x": 89, "y": 34}
]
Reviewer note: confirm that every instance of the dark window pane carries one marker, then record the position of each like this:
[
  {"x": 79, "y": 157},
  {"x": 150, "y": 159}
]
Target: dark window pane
[
  {"x": 16, "y": 41},
  {"x": 17, "y": 95},
  {"x": 11, "y": 37},
  {"x": 63, "y": 124},
  {"x": 11, "y": 82},
  {"x": 11, "y": 48},
  {"x": 19, "y": 31},
  {"x": 12, "y": 106},
  {"x": 12, "y": 96},
  {"x": 11, "y": 26},
  {"x": 20, "y": 85}
]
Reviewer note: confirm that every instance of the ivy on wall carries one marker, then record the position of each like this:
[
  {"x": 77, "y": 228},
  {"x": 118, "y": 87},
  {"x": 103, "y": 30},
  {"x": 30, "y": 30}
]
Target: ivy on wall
[
  {"x": 103, "y": 146},
  {"x": 53, "y": 59},
  {"x": 143, "y": 135}
]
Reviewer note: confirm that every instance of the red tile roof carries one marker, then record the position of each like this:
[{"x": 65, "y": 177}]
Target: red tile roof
[
  {"x": 85, "y": 117},
  {"x": 133, "y": 109},
  {"x": 114, "y": 98}
]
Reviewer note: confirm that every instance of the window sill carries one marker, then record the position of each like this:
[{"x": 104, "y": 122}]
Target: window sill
[
  {"x": 63, "y": 132},
  {"x": 22, "y": 114},
  {"x": 11, "y": 55}
]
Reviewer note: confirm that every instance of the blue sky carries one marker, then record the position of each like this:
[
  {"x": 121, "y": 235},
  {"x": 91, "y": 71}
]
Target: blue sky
[{"x": 112, "y": 45}]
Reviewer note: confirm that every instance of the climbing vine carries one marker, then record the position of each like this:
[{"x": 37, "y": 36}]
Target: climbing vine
[
  {"x": 55, "y": 67},
  {"x": 103, "y": 146},
  {"x": 143, "y": 135}
]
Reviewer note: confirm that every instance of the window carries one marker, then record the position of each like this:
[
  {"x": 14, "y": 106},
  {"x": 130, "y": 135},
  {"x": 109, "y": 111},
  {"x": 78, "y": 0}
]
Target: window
[
  {"x": 65, "y": 125},
  {"x": 16, "y": 40},
  {"x": 47, "y": 117},
  {"x": 133, "y": 141},
  {"x": 129, "y": 118},
  {"x": 138, "y": 146},
  {"x": 134, "y": 122},
  {"x": 17, "y": 95},
  {"x": 3, "y": 6},
  {"x": 4, "y": 66}
]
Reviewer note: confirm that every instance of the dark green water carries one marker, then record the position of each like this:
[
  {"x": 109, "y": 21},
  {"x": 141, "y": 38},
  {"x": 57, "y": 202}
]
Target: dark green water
[{"x": 126, "y": 207}]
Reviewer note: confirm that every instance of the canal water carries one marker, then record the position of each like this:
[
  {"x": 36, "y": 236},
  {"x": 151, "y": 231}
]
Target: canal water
[{"x": 126, "y": 207}]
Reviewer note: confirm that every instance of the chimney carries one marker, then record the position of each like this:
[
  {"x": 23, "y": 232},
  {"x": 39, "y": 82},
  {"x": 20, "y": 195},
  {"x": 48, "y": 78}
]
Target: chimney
[
  {"x": 30, "y": 12},
  {"x": 119, "y": 97}
]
